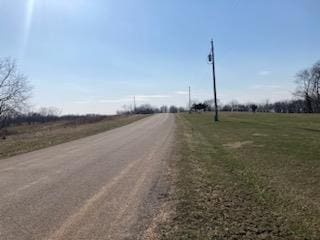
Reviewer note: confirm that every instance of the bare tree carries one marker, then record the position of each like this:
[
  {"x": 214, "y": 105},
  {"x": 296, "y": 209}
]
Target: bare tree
[
  {"x": 315, "y": 79},
  {"x": 173, "y": 109},
  {"x": 14, "y": 90},
  {"x": 234, "y": 104},
  {"x": 304, "y": 86},
  {"x": 49, "y": 111},
  {"x": 164, "y": 109},
  {"x": 308, "y": 88}
]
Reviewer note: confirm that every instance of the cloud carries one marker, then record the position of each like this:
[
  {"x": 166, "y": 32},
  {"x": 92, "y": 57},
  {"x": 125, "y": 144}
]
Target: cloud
[
  {"x": 264, "y": 73},
  {"x": 97, "y": 101},
  {"x": 265, "y": 86},
  {"x": 82, "y": 102},
  {"x": 120, "y": 100},
  {"x": 258, "y": 93},
  {"x": 181, "y": 92},
  {"x": 124, "y": 99},
  {"x": 146, "y": 97},
  {"x": 130, "y": 98}
]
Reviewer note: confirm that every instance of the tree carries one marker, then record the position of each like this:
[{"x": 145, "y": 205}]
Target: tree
[
  {"x": 49, "y": 111},
  {"x": 315, "y": 79},
  {"x": 308, "y": 87},
  {"x": 181, "y": 109},
  {"x": 210, "y": 104},
  {"x": 173, "y": 109},
  {"x": 304, "y": 88},
  {"x": 234, "y": 105},
  {"x": 164, "y": 109},
  {"x": 200, "y": 107},
  {"x": 146, "y": 109},
  {"x": 227, "y": 108},
  {"x": 14, "y": 90},
  {"x": 253, "y": 107}
]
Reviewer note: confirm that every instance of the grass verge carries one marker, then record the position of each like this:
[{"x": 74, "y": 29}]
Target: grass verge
[
  {"x": 28, "y": 138},
  {"x": 250, "y": 176}
]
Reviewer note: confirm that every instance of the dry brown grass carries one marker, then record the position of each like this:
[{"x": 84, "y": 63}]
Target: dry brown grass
[
  {"x": 267, "y": 188},
  {"x": 26, "y": 138}
]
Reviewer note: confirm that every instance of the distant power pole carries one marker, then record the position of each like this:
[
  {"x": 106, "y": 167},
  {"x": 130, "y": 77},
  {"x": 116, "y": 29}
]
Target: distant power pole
[
  {"x": 134, "y": 104},
  {"x": 189, "y": 99},
  {"x": 211, "y": 59}
]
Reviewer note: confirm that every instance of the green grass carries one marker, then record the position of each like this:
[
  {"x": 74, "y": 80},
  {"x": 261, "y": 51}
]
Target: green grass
[
  {"x": 249, "y": 176},
  {"x": 28, "y": 138}
]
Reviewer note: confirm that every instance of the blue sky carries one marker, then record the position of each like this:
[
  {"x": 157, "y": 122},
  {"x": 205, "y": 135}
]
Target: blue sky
[{"x": 93, "y": 56}]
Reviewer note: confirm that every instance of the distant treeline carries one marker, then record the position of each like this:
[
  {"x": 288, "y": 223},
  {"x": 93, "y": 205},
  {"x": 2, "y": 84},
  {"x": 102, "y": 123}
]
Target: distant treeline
[
  {"x": 52, "y": 114},
  {"x": 40, "y": 117},
  {"x": 292, "y": 106},
  {"x": 288, "y": 106},
  {"x": 148, "y": 109},
  {"x": 32, "y": 118}
]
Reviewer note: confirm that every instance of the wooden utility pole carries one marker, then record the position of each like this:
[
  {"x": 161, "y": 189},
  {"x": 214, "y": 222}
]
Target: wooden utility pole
[
  {"x": 134, "y": 104},
  {"x": 189, "y": 99},
  {"x": 211, "y": 60}
]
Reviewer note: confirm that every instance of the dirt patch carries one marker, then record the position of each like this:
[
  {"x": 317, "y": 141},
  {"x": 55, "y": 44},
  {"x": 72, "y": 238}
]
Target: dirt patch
[
  {"x": 260, "y": 135},
  {"x": 152, "y": 233},
  {"x": 259, "y": 145},
  {"x": 235, "y": 145}
]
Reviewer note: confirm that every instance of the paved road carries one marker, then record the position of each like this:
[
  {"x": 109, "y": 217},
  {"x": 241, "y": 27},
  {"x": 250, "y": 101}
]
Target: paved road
[{"x": 100, "y": 187}]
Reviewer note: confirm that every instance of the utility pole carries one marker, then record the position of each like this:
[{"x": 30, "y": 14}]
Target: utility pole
[
  {"x": 134, "y": 104},
  {"x": 189, "y": 99},
  {"x": 211, "y": 60}
]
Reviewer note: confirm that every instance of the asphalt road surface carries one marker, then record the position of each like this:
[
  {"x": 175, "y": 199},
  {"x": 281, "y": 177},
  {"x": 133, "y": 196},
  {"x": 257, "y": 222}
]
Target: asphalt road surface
[{"x": 106, "y": 186}]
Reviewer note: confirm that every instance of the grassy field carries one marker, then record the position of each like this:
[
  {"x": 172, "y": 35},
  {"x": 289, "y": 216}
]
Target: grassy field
[
  {"x": 26, "y": 138},
  {"x": 250, "y": 176}
]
